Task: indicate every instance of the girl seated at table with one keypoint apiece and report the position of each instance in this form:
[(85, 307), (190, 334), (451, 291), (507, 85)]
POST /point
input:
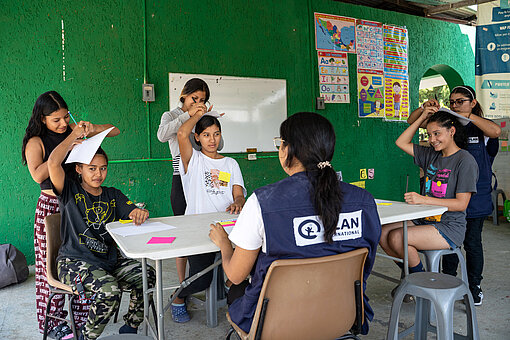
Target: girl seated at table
[(450, 180), (88, 258), (265, 229), (211, 183)]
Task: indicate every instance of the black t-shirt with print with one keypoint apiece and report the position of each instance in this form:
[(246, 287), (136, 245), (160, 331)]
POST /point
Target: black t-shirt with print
[(83, 223)]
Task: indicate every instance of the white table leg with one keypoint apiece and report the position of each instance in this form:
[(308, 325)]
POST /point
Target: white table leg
[(159, 300), (145, 297), (406, 258)]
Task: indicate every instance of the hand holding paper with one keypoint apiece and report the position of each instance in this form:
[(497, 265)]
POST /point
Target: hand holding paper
[(85, 151)]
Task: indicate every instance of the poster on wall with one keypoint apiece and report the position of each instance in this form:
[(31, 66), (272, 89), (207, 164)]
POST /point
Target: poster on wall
[(396, 77), (333, 77), (334, 33), (492, 59), (369, 46), (370, 94)]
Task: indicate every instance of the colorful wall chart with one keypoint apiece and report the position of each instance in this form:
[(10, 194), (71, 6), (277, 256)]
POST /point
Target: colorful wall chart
[(370, 94), (333, 77), (334, 33), (369, 45), (396, 77)]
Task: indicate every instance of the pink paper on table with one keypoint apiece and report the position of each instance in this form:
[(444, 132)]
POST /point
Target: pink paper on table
[(161, 240)]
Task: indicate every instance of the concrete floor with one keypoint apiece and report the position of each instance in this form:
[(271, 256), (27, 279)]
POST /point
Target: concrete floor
[(17, 306)]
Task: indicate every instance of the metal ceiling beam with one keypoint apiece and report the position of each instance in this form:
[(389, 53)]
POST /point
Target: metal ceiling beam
[(448, 7)]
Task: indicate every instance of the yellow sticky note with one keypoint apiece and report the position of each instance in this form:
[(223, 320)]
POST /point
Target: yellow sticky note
[(224, 176), (363, 174), (360, 184)]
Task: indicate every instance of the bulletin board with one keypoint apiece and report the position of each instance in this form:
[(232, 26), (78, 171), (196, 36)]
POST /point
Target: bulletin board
[(254, 108)]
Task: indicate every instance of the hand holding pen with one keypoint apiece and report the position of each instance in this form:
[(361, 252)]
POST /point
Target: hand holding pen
[(88, 127)]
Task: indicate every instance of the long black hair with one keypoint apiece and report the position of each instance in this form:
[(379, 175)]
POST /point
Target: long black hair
[(194, 85), (204, 122), (45, 105), (310, 139), (447, 120), (471, 94)]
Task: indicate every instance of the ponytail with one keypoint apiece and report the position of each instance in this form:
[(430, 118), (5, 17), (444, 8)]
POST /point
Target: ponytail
[(310, 139)]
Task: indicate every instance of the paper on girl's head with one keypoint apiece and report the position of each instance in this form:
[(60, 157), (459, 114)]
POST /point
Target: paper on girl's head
[(213, 113), (84, 152), (463, 120)]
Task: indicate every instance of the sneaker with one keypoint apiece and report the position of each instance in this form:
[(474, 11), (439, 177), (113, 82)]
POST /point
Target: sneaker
[(477, 295), (407, 298), (180, 314), (126, 329)]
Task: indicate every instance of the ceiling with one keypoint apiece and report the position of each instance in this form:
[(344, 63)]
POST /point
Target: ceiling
[(456, 11)]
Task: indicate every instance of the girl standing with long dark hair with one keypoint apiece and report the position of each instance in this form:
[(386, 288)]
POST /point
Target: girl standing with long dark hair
[(47, 128)]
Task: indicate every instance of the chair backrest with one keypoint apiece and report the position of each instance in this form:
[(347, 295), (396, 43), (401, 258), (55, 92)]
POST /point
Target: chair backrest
[(310, 298), (53, 242)]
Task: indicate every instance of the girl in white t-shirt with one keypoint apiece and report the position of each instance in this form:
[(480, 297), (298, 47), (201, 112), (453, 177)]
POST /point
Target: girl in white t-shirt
[(211, 183)]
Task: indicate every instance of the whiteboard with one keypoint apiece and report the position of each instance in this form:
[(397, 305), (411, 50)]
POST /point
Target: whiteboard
[(254, 108)]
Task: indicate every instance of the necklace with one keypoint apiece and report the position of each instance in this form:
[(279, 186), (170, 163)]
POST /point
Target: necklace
[(94, 209)]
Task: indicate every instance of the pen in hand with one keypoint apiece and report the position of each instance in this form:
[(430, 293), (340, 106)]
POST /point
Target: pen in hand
[(74, 120)]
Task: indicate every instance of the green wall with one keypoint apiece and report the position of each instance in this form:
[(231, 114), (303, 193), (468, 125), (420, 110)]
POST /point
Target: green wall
[(104, 64)]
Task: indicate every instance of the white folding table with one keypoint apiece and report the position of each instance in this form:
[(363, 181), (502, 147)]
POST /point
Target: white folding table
[(393, 211), (192, 238)]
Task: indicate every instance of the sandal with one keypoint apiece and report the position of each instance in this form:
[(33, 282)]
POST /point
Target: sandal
[(60, 332)]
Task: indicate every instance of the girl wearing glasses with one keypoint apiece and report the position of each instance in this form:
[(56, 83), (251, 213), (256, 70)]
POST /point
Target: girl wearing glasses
[(47, 128), (211, 183), (483, 146), (302, 216)]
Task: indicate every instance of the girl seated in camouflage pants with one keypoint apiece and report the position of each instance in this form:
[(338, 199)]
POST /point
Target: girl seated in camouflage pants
[(88, 259)]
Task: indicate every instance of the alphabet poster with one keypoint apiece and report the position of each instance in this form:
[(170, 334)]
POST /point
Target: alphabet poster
[(396, 77), (334, 33), (333, 77), (369, 44)]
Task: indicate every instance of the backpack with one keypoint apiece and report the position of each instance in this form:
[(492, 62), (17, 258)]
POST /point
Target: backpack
[(13, 265)]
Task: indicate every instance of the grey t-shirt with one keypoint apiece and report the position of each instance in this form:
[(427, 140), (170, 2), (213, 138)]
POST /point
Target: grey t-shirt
[(444, 178)]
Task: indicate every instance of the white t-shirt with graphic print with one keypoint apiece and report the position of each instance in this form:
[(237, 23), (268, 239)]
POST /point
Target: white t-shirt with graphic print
[(208, 183)]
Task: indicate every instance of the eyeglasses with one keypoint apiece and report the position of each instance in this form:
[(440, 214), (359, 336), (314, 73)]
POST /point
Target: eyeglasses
[(458, 102), (277, 141)]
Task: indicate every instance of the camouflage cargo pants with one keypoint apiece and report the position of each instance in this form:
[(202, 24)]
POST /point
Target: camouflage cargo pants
[(105, 289)]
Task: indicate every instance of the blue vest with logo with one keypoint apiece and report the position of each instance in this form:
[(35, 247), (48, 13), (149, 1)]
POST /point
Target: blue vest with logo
[(480, 204), (293, 230)]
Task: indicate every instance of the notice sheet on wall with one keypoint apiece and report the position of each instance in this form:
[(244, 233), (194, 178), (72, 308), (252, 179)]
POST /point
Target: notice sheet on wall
[(492, 59), (334, 33), (333, 77), (369, 46), (396, 77)]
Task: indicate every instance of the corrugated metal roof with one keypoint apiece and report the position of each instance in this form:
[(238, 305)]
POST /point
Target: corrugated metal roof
[(456, 11)]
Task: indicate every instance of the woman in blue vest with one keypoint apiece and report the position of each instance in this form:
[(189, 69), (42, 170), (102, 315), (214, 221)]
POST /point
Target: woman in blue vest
[(483, 146), (268, 227)]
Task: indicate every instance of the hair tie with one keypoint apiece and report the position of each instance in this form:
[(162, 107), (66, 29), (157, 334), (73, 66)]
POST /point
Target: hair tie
[(322, 165), (465, 88)]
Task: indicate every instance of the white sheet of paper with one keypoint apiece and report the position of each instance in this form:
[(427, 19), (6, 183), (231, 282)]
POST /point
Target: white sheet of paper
[(463, 120), (84, 152), (146, 227)]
